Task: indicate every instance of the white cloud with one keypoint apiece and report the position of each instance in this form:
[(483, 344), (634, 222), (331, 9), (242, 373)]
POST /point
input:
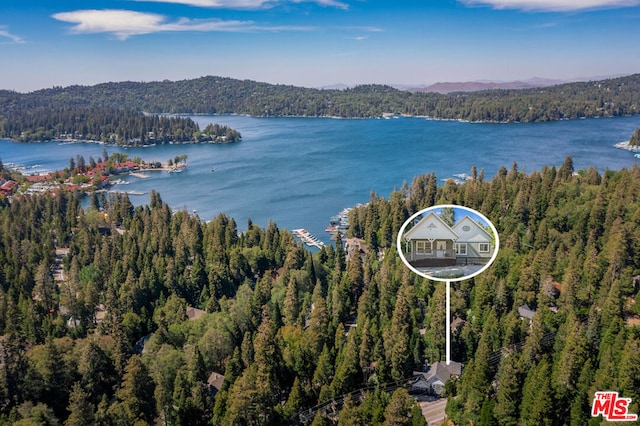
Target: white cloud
[(249, 4), (357, 38), (221, 4), (552, 5), (4, 32), (330, 3), (126, 23)]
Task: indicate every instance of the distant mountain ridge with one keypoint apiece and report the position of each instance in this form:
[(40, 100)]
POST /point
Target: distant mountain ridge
[(474, 86), (222, 95)]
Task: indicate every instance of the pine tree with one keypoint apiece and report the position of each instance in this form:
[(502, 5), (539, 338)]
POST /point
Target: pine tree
[(566, 369), (348, 374), (400, 409), (82, 411), (324, 370), (537, 396), (629, 371), (137, 392), (398, 338), (291, 307), (294, 401), (350, 414), (448, 215), (509, 391)]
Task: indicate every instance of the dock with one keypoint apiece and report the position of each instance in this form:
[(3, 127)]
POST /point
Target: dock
[(139, 175), (307, 238), (113, 191)]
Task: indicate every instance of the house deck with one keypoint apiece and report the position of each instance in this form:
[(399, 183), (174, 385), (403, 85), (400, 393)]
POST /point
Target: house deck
[(433, 262)]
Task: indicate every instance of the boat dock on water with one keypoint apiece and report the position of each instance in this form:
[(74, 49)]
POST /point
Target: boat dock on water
[(113, 191), (307, 238), (339, 223)]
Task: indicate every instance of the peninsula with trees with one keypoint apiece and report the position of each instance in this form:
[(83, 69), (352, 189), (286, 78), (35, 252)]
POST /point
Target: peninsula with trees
[(92, 177), (635, 138), (125, 127)]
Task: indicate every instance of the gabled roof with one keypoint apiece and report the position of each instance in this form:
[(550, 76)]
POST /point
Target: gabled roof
[(525, 312), (194, 313), (9, 185), (481, 236), (215, 380), (440, 371), (431, 227)]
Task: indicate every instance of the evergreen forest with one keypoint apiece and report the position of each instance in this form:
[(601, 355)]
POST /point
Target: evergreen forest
[(95, 327), (127, 127), (635, 138)]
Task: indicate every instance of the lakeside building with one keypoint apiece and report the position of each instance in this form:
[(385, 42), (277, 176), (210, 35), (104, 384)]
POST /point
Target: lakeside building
[(432, 242)]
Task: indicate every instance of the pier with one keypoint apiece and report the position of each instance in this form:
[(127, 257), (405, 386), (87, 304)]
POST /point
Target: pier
[(306, 237)]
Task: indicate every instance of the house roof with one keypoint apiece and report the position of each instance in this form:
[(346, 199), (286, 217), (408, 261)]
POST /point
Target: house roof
[(456, 323), (215, 380), (356, 244), (431, 227), (477, 234), (440, 371), (38, 178), (9, 185), (194, 313), (525, 312)]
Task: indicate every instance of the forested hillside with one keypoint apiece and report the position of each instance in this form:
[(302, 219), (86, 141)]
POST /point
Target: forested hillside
[(288, 329), (220, 95), (635, 138), (107, 124)]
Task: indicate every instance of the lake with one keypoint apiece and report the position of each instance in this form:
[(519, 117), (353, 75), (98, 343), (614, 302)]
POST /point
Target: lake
[(300, 171)]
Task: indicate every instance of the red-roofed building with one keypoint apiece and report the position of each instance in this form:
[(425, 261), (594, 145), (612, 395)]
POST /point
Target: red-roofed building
[(38, 178), (73, 187), (125, 166), (7, 188)]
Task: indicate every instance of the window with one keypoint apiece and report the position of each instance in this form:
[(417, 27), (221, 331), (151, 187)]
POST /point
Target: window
[(423, 247), (484, 248), (461, 249)]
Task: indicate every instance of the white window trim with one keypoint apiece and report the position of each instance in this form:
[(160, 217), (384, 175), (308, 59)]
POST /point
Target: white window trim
[(423, 248), (488, 246), (420, 247), (458, 247)]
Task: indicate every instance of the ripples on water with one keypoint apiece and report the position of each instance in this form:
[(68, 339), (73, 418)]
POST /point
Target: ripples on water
[(300, 171)]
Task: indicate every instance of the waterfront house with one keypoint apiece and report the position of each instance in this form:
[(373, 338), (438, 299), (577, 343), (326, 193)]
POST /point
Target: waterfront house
[(357, 246), (7, 188), (432, 242)]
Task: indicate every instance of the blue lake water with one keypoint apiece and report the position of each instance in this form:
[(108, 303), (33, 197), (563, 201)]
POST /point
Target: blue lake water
[(300, 171)]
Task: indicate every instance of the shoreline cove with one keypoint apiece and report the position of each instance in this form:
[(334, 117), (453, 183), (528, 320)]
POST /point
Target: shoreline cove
[(298, 172)]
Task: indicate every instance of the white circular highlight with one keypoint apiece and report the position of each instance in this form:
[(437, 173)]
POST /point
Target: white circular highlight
[(440, 251)]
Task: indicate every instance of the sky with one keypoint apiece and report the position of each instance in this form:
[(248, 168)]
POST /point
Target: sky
[(315, 43)]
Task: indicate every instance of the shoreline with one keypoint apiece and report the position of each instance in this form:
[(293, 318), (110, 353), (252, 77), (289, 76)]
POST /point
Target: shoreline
[(627, 147), (80, 141), (386, 116)]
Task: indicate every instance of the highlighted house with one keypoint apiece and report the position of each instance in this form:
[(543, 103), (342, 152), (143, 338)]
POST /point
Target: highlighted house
[(432, 242)]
